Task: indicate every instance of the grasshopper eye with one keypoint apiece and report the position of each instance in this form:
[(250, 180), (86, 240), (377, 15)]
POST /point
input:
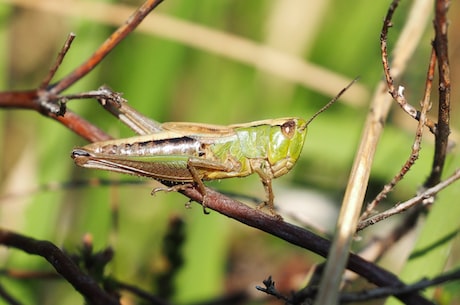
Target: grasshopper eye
[(288, 128)]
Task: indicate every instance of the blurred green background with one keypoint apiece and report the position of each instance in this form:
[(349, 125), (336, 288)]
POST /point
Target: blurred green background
[(186, 66)]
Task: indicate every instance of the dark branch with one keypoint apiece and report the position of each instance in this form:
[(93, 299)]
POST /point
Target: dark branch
[(300, 237), (63, 264)]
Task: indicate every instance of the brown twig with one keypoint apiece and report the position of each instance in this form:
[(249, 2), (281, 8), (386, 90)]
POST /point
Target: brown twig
[(426, 105), (428, 193), (58, 62), (396, 93), (107, 46), (30, 100)]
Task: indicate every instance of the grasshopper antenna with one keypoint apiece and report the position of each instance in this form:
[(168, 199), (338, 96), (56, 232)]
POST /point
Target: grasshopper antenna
[(329, 104)]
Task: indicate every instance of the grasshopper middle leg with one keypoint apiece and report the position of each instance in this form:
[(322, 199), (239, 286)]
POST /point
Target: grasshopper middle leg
[(195, 166)]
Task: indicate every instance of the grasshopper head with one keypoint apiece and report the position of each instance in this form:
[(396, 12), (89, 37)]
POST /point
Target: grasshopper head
[(286, 144)]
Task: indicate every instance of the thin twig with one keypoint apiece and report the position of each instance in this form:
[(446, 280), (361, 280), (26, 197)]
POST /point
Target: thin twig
[(58, 62), (271, 290), (396, 94), (426, 105), (428, 193), (81, 127), (107, 46)]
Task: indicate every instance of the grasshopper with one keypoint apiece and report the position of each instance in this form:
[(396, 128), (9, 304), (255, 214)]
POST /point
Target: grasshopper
[(186, 154)]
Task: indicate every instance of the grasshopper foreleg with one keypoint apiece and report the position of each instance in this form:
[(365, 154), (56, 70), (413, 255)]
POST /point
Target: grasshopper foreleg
[(267, 183)]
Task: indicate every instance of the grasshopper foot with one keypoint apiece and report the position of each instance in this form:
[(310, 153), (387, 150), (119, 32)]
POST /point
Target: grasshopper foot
[(188, 205), (203, 204), (174, 188), (206, 212), (181, 187), (271, 209)]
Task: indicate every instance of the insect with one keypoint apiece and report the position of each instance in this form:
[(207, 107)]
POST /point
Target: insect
[(187, 154)]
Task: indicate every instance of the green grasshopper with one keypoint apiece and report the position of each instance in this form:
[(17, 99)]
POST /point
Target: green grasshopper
[(186, 154)]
